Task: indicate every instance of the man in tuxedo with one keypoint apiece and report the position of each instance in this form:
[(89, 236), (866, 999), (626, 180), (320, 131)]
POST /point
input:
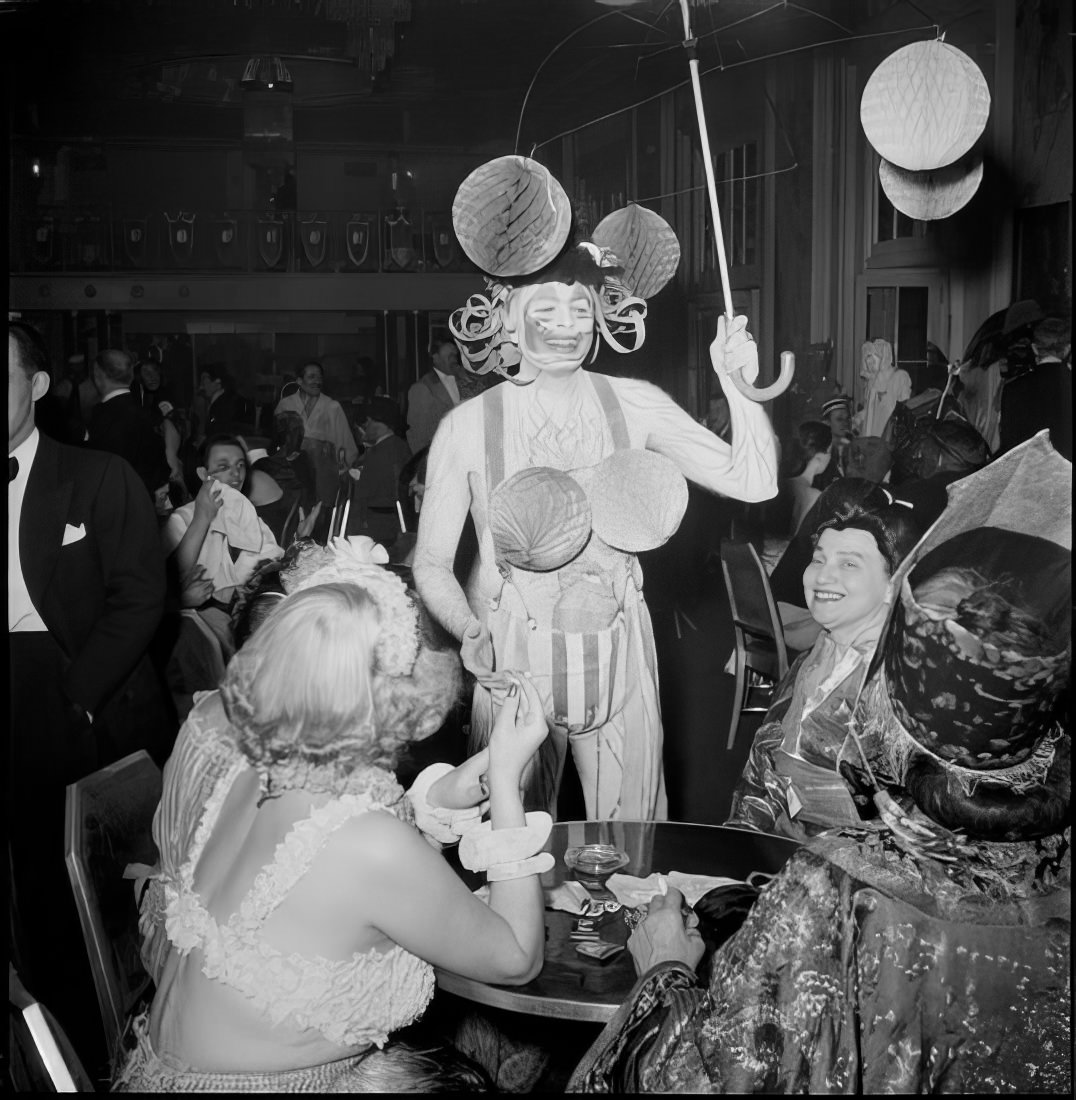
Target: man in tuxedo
[(228, 412), (86, 589), (119, 425), (434, 394)]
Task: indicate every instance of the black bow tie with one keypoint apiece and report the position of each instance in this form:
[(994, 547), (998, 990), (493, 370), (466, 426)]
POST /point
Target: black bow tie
[(12, 468)]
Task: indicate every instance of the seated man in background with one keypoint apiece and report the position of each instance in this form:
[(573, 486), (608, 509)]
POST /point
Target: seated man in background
[(220, 531), (791, 785)]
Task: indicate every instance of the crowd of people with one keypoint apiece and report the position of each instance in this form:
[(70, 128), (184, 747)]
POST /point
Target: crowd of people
[(258, 612)]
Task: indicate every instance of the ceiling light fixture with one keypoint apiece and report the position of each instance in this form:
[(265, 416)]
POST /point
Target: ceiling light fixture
[(262, 73)]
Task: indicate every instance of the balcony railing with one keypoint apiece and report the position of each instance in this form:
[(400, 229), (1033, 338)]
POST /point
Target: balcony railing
[(242, 241)]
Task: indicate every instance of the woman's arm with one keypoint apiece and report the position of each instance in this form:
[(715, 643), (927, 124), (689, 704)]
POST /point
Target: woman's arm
[(444, 510), (422, 905)]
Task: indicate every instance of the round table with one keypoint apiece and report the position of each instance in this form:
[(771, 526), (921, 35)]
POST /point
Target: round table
[(575, 988)]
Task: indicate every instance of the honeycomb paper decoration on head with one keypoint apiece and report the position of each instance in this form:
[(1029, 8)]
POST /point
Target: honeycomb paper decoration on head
[(930, 195), (925, 106), (644, 245), (511, 216)]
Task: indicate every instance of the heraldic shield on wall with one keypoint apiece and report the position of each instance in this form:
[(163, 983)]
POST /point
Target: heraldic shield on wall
[(400, 242), (181, 235), (226, 243), (42, 241), (134, 240), (358, 240), (270, 241), (314, 235)]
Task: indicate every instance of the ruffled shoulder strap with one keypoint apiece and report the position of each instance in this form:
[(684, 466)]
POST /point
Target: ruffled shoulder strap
[(294, 855)]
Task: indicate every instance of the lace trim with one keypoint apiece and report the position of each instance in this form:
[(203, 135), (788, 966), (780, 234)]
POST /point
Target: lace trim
[(360, 1000)]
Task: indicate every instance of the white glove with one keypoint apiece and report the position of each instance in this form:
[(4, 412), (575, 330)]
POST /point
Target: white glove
[(734, 349)]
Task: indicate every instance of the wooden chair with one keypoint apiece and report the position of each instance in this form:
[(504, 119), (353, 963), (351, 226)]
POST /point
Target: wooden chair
[(760, 656), (40, 1056), (109, 825)]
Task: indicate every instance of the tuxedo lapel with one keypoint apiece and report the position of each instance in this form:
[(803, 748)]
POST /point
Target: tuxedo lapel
[(45, 509)]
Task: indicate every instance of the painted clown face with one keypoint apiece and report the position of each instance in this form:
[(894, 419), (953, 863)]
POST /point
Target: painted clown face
[(554, 324)]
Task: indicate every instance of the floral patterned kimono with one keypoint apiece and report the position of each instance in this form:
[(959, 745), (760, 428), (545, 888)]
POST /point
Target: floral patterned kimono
[(862, 969)]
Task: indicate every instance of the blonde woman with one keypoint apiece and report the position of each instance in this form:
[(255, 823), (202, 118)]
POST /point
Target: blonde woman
[(297, 913)]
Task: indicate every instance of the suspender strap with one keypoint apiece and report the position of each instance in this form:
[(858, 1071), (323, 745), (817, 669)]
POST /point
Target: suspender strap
[(493, 428), (614, 414)]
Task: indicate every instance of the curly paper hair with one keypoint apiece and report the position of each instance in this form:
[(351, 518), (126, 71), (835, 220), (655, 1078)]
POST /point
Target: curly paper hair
[(479, 329)]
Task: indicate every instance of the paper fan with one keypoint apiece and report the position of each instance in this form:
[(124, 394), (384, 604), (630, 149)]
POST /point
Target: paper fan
[(931, 195), (637, 500), (925, 106), (511, 216), (644, 244)]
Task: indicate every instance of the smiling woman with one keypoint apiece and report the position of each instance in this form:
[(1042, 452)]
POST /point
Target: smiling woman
[(791, 784)]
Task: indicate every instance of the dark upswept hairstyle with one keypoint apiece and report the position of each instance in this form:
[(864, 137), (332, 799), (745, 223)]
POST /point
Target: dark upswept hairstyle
[(33, 352), (892, 527), (219, 440), (812, 437), (217, 371), (991, 811)]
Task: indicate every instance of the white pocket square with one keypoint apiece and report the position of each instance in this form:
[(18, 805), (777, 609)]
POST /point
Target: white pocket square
[(73, 534)]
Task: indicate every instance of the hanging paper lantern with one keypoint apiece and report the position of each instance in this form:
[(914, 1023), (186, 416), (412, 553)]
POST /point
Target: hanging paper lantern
[(511, 216), (644, 244), (928, 196), (638, 499), (925, 106), (539, 519)]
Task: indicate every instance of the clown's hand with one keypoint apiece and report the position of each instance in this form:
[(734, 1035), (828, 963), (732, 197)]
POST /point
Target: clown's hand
[(734, 349), (476, 653)]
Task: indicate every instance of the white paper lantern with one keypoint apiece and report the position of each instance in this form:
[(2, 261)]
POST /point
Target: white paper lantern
[(644, 243), (925, 106), (928, 196), (511, 216)]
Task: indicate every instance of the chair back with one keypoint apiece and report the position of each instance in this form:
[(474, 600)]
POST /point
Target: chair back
[(109, 825), (40, 1056), (751, 601), (291, 524)]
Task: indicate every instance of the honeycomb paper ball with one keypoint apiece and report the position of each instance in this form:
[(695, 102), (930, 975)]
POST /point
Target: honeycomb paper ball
[(511, 216), (638, 499), (925, 106), (539, 519), (928, 196), (645, 245)]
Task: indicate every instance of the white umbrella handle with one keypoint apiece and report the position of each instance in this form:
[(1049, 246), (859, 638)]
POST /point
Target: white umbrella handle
[(784, 380)]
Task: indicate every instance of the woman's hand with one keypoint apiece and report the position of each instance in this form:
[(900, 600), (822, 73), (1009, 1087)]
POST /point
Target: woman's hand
[(664, 936), (464, 786), (306, 523), (518, 732), (207, 502), (734, 350), (196, 588)]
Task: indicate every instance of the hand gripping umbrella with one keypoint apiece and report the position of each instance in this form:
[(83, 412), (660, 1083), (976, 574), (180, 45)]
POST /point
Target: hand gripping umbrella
[(766, 393)]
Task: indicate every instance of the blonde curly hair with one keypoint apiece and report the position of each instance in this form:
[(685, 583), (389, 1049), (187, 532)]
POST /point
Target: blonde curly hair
[(306, 687)]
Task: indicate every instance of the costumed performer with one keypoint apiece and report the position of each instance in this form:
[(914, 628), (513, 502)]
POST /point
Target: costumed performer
[(568, 474)]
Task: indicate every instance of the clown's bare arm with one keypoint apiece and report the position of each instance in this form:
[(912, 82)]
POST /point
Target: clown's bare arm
[(746, 469), (444, 511)]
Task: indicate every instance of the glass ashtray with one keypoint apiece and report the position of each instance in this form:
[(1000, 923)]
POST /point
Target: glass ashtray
[(594, 863)]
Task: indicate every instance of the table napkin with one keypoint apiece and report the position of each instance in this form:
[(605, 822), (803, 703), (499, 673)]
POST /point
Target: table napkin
[(632, 891), (572, 897)]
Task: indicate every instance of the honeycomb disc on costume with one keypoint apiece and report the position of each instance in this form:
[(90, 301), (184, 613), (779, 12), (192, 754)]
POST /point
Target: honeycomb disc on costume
[(511, 216), (925, 106), (637, 499), (539, 519), (645, 245), (928, 196)]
